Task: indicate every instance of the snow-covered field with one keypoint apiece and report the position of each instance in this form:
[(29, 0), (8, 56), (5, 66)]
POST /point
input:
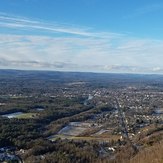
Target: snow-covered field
[(74, 128)]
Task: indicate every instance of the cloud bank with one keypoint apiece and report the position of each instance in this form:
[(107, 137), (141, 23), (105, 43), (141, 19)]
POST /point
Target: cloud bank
[(69, 48)]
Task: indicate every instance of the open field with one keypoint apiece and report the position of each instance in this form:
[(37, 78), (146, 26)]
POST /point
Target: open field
[(74, 130), (20, 115), (87, 138), (26, 116)]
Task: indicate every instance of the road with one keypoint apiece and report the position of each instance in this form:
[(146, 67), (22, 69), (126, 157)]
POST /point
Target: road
[(124, 130)]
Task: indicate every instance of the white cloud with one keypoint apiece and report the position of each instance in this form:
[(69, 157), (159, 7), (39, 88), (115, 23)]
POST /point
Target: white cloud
[(82, 54), (21, 23), (157, 69), (89, 50)]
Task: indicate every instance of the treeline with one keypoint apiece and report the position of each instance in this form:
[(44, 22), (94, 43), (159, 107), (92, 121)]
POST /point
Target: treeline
[(67, 151), (18, 132)]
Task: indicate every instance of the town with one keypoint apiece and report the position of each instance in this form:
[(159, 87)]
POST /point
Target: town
[(110, 111)]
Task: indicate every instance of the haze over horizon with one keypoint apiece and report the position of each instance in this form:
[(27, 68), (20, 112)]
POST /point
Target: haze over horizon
[(84, 35)]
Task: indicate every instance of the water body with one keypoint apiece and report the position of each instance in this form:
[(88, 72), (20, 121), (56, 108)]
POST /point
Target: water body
[(90, 97), (12, 115)]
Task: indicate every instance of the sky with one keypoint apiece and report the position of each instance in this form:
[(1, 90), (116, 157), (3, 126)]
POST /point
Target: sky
[(111, 36)]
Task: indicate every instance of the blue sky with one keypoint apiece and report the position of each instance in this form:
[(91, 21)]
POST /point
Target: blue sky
[(82, 35)]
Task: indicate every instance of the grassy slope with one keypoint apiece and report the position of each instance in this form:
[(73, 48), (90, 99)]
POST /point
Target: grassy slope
[(153, 154)]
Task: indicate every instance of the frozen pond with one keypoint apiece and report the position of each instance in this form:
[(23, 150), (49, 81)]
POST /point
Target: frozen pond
[(90, 97), (12, 115)]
